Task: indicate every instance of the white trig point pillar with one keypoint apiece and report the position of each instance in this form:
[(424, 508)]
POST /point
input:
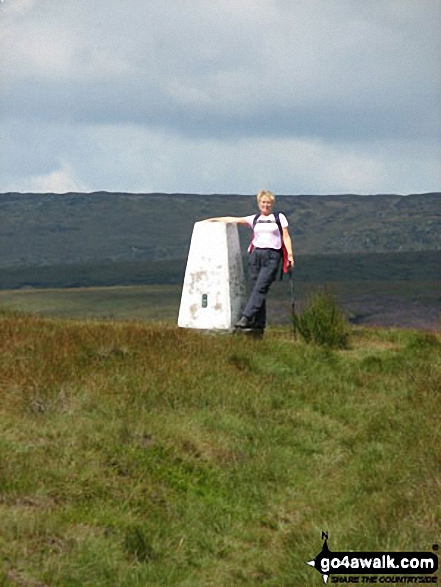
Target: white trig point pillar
[(213, 294)]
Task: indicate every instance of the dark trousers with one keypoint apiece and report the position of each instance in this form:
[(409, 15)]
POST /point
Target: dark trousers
[(264, 269)]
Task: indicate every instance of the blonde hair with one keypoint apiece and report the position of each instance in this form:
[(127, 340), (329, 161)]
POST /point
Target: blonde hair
[(266, 194)]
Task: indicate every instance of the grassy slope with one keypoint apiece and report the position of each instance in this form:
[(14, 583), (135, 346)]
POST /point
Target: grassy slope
[(140, 454)]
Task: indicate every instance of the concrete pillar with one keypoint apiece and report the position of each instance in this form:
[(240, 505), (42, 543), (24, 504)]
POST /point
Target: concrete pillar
[(214, 290)]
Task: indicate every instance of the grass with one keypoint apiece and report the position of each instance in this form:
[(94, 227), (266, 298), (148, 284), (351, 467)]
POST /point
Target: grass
[(149, 302), (161, 302), (322, 322), (142, 454)]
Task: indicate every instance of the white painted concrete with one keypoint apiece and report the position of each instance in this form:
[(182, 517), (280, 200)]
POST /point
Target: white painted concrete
[(214, 291)]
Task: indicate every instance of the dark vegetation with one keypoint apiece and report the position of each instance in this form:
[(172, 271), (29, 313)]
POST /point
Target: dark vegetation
[(322, 322), (411, 266), (51, 229)]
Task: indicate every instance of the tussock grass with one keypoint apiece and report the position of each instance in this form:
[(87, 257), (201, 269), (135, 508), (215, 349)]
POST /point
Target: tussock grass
[(142, 454), (322, 322)]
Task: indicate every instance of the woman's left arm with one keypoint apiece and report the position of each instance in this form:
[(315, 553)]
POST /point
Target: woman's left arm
[(288, 244)]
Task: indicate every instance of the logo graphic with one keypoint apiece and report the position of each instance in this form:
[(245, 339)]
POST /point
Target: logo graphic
[(369, 563)]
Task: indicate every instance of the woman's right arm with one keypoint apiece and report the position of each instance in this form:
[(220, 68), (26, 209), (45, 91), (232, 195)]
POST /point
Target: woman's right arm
[(234, 219)]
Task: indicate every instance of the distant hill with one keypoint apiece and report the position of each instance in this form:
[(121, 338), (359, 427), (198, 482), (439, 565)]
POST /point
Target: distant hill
[(54, 229)]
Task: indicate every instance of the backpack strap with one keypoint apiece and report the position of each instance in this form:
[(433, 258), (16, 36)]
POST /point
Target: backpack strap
[(277, 217), (284, 251), (251, 247)]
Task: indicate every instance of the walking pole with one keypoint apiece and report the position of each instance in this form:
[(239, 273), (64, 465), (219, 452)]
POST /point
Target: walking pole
[(293, 308)]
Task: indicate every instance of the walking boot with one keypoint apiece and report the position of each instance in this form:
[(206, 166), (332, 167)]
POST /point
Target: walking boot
[(244, 323)]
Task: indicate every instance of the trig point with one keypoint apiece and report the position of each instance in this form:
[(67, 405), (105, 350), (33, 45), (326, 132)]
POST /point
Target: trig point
[(213, 294)]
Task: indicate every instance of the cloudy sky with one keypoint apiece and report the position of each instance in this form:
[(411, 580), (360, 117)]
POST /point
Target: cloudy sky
[(224, 96)]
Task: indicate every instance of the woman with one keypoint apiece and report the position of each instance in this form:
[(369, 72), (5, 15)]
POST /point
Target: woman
[(269, 237)]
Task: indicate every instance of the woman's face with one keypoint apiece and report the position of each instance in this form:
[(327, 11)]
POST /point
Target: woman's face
[(265, 206)]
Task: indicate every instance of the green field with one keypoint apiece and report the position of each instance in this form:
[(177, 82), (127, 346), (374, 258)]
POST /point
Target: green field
[(148, 302), (140, 454), (161, 302)]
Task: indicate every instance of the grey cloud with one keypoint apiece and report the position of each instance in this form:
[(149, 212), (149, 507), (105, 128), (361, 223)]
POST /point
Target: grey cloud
[(412, 114), (209, 73), (345, 72)]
